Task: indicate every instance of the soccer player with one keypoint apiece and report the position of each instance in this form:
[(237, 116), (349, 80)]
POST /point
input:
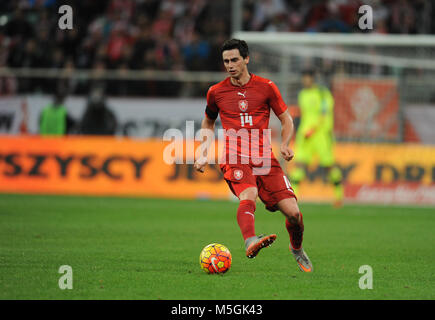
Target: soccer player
[(244, 100), (315, 137)]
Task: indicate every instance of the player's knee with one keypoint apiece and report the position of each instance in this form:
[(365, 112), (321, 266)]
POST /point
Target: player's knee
[(249, 194), (290, 209), (293, 216), (335, 175)]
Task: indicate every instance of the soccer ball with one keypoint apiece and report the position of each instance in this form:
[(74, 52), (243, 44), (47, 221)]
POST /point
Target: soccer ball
[(215, 258)]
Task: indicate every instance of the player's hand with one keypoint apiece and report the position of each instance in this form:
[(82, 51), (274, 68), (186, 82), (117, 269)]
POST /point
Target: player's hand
[(287, 153), (309, 133), (200, 164)]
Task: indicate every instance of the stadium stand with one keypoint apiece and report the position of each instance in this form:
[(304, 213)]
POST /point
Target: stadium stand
[(169, 34)]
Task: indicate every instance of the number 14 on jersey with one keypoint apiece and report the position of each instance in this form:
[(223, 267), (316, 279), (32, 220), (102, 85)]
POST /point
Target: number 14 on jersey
[(245, 118)]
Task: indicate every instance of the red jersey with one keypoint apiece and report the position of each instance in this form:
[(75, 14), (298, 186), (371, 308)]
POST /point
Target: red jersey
[(245, 114)]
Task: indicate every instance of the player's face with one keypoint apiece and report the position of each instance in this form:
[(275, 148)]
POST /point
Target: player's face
[(234, 63), (307, 80)]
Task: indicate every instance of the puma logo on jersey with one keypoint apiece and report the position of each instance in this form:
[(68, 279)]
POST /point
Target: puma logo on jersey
[(242, 94)]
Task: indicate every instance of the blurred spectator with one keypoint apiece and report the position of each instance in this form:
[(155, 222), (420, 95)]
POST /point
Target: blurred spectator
[(297, 13), (125, 8), (118, 40), (18, 26), (54, 119), (26, 55), (175, 7), (8, 83), (196, 53), (403, 17), (144, 44), (278, 23), (265, 11), (163, 25), (380, 15), (98, 119)]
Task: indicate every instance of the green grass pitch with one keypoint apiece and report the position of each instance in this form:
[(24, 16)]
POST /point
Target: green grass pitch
[(122, 248)]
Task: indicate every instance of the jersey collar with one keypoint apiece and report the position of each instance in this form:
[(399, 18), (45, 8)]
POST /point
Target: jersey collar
[(250, 80)]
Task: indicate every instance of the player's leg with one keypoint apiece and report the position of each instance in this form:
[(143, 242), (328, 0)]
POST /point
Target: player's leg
[(277, 193), (246, 221), (246, 212), (335, 177), (243, 185), (295, 227), (327, 160), (293, 222)]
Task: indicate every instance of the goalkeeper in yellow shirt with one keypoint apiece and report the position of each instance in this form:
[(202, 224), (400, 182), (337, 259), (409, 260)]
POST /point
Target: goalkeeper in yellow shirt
[(315, 136)]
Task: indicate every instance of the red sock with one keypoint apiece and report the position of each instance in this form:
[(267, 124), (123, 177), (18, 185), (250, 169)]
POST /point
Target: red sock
[(246, 218), (296, 232)]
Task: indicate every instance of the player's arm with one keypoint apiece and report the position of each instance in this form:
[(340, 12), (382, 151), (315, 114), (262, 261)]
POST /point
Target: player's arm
[(207, 129), (207, 126), (287, 130)]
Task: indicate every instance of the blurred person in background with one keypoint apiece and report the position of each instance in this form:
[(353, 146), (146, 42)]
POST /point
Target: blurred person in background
[(265, 12), (54, 119), (196, 53), (98, 119), (315, 135)]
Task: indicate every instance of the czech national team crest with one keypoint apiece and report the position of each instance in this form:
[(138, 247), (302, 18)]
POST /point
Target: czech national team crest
[(243, 105), (238, 174)]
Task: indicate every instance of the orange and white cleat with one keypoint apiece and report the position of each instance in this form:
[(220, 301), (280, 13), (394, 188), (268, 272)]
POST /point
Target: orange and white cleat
[(253, 245), (302, 259)]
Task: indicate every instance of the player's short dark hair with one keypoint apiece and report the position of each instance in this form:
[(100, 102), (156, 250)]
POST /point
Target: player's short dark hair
[(236, 44), (309, 71)]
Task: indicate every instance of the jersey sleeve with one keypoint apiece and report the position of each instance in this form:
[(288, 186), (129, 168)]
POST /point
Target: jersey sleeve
[(211, 110), (275, 99)]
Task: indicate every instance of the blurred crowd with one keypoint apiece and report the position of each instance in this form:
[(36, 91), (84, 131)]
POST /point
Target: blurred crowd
[(168, 34), (114, 35), (389, 16)]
